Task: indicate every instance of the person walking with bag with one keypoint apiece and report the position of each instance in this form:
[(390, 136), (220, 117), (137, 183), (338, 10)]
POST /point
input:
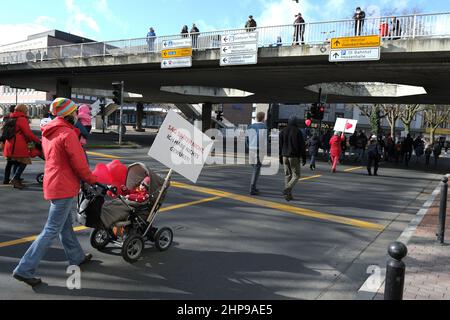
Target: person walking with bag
[(16, 149), (65, 168)]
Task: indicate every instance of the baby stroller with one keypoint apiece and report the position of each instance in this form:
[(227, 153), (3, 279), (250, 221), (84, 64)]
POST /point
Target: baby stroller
[(126, 224)]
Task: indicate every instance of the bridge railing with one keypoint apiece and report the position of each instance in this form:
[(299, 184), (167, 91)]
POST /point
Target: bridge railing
[(313, 34)]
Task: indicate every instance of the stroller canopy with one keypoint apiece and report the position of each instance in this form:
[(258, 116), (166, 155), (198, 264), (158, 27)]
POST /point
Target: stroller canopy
[(136, 174)]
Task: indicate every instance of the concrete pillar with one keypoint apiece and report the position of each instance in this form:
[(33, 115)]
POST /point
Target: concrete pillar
[(206, 116), (63, 89)]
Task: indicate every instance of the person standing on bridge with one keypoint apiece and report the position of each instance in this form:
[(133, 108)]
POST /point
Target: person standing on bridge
[(65, 168), (359, 18), (151, 37), (336, 149), (251, 24), (185, 32), (257, 145), (292, 148), (299, 30), (194, 35)]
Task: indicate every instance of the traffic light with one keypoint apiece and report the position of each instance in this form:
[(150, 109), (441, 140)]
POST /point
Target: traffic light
[(118, 93), (321, 112)]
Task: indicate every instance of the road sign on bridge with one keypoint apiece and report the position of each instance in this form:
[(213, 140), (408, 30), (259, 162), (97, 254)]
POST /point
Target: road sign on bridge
[(239, 49), (364, 54), (173, 44), (176, 53), (356, 42)]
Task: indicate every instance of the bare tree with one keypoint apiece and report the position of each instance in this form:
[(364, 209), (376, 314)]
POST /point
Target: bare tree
[(435, 117), (408, 113), (392, 113)]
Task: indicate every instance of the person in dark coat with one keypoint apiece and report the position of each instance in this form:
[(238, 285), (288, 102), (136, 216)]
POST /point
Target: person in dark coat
[(359, 18), (292, 149), (251, 24), (185, 32), (313, 149), (374, 156), (407, 148), (194, 35), (299, 29)]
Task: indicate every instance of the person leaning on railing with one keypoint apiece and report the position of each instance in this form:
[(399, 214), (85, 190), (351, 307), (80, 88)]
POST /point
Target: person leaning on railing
[(359, 18), (194, 35), (251, 24)]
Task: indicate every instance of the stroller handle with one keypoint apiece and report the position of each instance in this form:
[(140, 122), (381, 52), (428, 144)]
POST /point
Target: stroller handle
[(107, 188)]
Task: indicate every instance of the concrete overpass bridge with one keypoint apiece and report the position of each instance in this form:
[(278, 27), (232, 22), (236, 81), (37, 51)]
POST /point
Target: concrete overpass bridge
[(419, 56)]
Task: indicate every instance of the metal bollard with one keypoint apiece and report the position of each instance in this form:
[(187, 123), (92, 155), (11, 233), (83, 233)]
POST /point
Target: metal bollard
[(395, 272), (443, 211)]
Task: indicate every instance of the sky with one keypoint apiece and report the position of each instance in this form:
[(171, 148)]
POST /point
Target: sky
[(104, 20)]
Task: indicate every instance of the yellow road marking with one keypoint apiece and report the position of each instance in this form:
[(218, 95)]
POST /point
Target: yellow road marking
[(310, 178), (189, 204), (282, 207), (103, 155), (82, 228), (353, 169)]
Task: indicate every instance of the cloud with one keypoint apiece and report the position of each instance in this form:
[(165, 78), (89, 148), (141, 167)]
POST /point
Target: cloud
[(78, 20)]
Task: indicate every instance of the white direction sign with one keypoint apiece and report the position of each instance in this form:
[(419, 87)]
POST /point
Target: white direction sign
[(173, 44), (239, 38), (362, 54), (181, 147), (239, 60), (238, 48), (176, 63)]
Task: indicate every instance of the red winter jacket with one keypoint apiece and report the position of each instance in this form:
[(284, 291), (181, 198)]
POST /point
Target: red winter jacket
[(18, 146), (336, 145), (65, 161)]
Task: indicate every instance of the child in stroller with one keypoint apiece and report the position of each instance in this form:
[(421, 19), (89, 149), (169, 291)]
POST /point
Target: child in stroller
[(126, 221)]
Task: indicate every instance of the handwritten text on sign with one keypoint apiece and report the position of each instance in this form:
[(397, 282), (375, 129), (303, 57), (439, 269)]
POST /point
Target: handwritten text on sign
[(181, 147)]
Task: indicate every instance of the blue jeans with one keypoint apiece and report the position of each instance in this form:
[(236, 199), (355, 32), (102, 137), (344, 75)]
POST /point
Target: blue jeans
[(59, 223)]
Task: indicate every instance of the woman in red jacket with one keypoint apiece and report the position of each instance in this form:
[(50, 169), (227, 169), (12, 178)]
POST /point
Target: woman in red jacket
[(336, 149), (65, 167), (16, 149)]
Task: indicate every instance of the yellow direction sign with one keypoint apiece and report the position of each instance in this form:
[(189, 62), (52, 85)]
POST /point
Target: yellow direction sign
[(356, 42), (176, 53)]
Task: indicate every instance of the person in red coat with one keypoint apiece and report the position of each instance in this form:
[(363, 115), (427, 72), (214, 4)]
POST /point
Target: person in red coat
[(16, 149), (336, 149), (65, 167)]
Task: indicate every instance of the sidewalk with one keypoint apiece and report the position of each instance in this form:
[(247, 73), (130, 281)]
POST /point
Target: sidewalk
[(427, 263)]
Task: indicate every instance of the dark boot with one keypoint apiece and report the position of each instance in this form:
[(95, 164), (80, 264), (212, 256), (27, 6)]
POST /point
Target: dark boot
[(17, 184)]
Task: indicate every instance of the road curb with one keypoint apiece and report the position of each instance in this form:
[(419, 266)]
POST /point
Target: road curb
[(368, 291)]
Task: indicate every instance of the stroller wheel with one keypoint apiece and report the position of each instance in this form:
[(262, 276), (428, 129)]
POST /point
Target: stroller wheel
[(40, 179), (99, 239), (163, 239), (132, 248)]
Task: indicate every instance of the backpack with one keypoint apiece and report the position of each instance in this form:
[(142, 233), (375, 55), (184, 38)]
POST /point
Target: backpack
[(8, 130)]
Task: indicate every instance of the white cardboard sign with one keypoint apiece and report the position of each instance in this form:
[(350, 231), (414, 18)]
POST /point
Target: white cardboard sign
[(346, 125), (181, 147)]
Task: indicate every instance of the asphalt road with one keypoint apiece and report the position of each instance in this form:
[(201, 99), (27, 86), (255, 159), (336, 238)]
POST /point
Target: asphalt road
[(231, 245)]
